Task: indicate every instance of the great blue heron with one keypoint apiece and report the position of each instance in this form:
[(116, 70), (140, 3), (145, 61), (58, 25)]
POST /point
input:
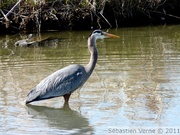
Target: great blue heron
[(66, 80)]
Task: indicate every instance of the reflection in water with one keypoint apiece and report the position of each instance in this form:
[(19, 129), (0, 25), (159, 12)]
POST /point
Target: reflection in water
[(61, 118), (135, 82)]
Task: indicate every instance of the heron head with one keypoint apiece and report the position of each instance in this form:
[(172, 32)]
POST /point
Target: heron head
[(99, 34)]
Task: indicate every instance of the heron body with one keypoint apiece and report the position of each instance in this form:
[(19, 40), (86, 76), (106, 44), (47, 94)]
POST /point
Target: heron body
[(60, 83), (66, 80)]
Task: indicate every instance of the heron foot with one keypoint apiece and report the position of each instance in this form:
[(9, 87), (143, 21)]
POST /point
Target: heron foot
[(66, 97)]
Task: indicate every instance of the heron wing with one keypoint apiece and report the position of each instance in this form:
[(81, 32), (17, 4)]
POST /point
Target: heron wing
[(59, 83)]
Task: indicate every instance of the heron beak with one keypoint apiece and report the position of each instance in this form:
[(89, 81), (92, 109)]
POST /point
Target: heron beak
[(108, 35)]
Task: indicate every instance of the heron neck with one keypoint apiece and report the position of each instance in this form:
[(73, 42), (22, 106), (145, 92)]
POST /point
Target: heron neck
[(93, 57)]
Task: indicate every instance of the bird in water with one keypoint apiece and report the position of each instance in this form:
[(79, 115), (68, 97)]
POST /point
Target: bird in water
[(31, 40), (66, 80), (25, 42)]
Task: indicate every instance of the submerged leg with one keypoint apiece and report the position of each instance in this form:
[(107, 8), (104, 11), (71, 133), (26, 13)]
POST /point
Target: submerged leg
[(66, 97)]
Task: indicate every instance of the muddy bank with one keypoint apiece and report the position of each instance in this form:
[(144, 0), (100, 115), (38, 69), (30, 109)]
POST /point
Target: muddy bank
[(39, 15)]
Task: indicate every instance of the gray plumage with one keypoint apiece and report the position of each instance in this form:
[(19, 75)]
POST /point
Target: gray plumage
[(66, 80), (61, 82)]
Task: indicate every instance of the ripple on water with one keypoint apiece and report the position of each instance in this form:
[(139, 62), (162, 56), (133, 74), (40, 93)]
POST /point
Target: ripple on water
[(135, 83)]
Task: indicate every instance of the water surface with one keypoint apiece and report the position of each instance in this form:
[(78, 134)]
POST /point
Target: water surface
[(135, 82)]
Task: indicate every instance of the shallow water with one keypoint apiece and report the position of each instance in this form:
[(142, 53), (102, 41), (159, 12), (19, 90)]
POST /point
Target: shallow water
[(135, 82)]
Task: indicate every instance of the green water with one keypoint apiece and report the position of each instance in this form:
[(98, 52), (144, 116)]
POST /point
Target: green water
[(135, 82)]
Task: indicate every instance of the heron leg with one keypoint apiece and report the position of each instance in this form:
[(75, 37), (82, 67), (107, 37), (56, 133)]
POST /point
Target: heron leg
[(66, 97)]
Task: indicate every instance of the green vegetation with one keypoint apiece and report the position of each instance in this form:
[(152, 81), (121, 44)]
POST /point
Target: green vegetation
[(7, 3), (84, 14)]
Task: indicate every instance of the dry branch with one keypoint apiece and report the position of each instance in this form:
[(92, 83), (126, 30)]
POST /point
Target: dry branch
[(13, 8)]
